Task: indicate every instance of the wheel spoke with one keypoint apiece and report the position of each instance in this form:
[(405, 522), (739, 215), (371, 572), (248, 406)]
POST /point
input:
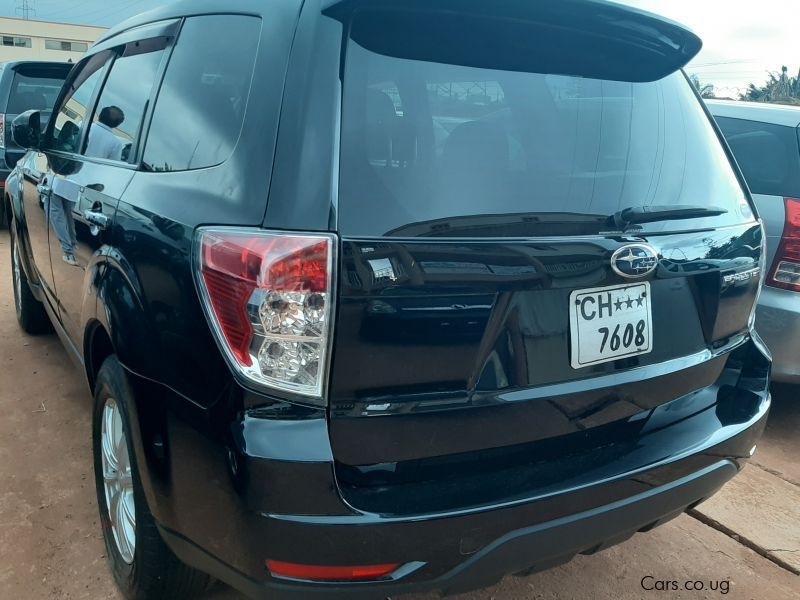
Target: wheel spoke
[(122, 536), (128, 509), (107, 438), (118, 480)]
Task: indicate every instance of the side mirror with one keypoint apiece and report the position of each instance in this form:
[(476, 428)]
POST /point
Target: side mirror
[(26, 129)]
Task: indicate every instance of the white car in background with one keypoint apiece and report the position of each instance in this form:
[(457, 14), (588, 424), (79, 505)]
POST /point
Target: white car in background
[(765, 139)]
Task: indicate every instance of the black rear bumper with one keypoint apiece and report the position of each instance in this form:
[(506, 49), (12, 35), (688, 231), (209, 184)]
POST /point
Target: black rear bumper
[(528, 549), (456, 552)]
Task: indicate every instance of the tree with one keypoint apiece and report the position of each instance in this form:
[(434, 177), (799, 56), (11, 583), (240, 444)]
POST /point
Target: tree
[(706, 90), (779, 88)]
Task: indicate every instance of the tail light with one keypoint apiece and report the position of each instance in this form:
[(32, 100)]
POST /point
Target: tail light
[(785, 271), (2, 130), (268, 297)]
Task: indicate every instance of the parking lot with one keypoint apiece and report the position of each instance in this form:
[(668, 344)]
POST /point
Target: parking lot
[(744, 543)]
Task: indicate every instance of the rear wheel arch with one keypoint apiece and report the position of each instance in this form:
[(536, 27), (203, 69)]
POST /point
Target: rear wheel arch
[(97, 348)]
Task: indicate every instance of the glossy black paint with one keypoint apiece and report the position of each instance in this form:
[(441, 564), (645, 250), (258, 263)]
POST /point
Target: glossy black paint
[(478, 330), (426, 455)]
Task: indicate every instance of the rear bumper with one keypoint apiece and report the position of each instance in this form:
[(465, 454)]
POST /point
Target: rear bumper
[(778, 323), (525, 549), (294, 512)]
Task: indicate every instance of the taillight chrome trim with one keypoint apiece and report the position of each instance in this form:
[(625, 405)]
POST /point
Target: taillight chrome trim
[(317, 397)]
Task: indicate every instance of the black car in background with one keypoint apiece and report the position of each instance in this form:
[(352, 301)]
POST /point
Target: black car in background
[(24, 85), (385, 297)]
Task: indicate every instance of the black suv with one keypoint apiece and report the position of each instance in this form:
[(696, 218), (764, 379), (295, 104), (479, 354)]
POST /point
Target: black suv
[(381, 297), (24, 85)]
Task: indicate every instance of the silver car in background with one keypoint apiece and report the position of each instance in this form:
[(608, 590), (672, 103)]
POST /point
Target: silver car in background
[(765, 139)]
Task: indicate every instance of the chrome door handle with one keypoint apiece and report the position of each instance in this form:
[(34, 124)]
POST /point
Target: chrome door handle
[(96, 219)]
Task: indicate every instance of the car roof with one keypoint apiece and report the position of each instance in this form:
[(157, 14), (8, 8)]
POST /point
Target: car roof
[(763, 112)]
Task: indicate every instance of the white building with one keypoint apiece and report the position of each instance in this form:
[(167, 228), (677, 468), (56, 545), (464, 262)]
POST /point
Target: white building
[(24, 39)]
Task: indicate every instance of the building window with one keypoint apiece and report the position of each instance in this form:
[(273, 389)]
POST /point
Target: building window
[(19, 42), (66, 46)]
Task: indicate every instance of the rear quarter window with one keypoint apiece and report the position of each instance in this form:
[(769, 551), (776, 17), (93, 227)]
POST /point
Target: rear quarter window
[(199, 112), (435, 148), (769, 155)]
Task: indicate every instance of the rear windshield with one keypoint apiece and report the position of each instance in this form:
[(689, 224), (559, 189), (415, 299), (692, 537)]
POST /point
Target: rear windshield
[(429, 148), (32, 91)]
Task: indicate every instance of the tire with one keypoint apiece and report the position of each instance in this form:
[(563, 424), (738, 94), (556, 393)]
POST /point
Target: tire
[(145, 569), (31, 314)]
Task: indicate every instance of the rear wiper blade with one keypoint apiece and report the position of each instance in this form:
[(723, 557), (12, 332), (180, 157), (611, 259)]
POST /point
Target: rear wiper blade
[(651, 214)]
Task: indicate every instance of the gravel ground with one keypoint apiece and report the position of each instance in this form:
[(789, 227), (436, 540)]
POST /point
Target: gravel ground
[(745, 542)]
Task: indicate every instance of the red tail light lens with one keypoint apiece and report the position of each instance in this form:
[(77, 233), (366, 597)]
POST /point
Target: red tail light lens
[(268, 298), (785, 271), (317, 573), (2, 130)]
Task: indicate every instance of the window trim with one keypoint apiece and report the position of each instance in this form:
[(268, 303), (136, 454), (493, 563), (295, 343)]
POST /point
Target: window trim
[(147, 117), (115, 53), (48, 133), (119, 52)]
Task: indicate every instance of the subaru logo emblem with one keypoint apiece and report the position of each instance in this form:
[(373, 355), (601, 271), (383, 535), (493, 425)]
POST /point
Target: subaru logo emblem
[(634, 260)]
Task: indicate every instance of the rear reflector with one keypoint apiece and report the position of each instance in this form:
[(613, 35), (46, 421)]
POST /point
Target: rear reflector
[(317, 573), (268, 298), (785, 271)]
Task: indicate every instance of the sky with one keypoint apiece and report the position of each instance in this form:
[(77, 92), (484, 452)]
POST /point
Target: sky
[(742, 41)]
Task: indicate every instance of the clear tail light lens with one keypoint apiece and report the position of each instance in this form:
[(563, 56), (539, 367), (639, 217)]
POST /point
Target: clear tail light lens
[(268, 297), (785, 271)]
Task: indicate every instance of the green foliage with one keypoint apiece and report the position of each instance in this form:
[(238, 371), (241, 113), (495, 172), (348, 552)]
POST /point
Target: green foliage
[(706, 90), (780, 88)]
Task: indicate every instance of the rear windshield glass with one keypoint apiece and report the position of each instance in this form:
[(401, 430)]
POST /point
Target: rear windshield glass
[(34, 92), (439, 149)]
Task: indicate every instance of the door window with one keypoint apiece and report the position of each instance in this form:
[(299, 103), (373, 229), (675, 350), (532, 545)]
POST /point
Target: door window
[(75, 107), (123, 101)]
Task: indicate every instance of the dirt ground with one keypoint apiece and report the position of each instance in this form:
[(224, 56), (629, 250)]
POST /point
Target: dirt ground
[(742, 544)]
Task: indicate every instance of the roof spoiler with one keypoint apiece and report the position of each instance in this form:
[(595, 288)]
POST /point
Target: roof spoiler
[(586, 38)]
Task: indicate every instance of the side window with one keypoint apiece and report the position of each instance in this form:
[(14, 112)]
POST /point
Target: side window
[(200, 108), (65, 134), (768, 155), (123, 101)]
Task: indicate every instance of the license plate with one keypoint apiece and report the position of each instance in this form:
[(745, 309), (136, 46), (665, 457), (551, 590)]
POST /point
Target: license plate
[(608, 323)]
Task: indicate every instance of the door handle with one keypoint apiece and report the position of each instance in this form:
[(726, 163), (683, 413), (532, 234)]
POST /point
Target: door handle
[(44, 189), (96, 219)]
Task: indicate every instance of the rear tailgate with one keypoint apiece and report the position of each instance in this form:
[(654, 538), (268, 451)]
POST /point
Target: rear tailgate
[(445, 348), (487, 297)]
